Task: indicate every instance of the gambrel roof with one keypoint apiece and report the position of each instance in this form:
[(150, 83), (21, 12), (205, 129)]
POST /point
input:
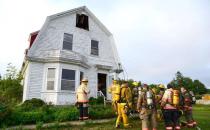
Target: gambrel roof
[(85, 9), (72, 11), (82, 9)]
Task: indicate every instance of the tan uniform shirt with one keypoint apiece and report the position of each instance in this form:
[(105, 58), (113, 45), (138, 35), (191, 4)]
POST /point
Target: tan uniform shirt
[(82, 94)]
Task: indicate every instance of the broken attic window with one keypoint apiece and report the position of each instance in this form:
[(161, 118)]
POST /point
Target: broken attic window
[(82, 21)]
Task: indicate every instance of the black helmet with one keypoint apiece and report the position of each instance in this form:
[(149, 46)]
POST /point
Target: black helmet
[(169, 86)]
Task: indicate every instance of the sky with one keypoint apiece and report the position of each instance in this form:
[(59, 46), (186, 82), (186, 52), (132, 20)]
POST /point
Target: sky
[(154, 38)]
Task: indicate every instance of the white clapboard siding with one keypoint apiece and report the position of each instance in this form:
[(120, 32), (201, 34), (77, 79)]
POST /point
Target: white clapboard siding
[(35, 80)]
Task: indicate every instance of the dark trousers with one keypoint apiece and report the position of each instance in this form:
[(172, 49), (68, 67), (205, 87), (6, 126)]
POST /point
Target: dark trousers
[(83, 111), (171, 118)]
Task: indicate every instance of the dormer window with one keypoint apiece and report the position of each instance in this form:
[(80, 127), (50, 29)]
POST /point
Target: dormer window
[(82, 21)]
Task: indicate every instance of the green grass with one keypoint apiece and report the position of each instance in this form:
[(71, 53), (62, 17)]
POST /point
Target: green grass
[(201, 115)]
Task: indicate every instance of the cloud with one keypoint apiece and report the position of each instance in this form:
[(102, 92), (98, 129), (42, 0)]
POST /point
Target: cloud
[(18, 20), (159, 39), (154, 38)]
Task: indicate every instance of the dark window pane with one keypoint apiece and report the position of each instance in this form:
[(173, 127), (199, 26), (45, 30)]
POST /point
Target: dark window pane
[(68, 74), (94, 44), (94, 47), (82, 21), (94, 52), (68, 37), (67, 41), (67, 85), (81, 76), (67, 45)]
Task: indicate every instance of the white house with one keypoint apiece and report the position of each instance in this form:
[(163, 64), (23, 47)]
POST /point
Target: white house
[(69, 46)]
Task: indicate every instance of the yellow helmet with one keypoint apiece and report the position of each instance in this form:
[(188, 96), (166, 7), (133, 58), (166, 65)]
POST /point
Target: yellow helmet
[(115, 81), (161, 86), (84, 80), (135, 84)]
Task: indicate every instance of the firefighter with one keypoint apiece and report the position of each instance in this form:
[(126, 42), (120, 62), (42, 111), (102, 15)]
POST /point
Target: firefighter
[(188, 100), (114, 89), (135, 95), (160, 93), (170, 106), (123, 105), (159, 96), (82, 99), (139, 90), (147, 108)]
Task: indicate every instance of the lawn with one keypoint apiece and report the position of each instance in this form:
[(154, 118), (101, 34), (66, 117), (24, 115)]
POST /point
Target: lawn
[(201, 115)]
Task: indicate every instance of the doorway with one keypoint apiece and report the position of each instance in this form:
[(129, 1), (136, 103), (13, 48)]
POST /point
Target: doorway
[(102, 83)]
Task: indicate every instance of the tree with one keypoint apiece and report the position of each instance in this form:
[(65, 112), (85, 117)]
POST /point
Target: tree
[(196, 86), (199, 87), (11, 72), (11, 90)]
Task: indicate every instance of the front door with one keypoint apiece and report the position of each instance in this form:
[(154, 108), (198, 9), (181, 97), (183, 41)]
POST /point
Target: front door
[(102, 83)]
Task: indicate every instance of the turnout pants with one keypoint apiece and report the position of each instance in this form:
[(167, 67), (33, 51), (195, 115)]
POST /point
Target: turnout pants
[(122, 110), (189, 118), (83, 111), (148, 116), (114, 106), (171, 118)]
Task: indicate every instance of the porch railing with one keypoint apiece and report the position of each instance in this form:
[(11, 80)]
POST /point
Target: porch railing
[(100, 94)]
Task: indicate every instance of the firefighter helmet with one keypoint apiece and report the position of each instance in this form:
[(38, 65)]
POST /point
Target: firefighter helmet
[(115, 81), (135, 84), (84, 80), (161, 86)]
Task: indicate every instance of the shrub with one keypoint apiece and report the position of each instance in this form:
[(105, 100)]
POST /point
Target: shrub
[(92, 101), (48, 113), (32, 104), (26, 117), (99, 112), (100, 100), (5, 111), (66, 114), (95, 101), (198, 97)]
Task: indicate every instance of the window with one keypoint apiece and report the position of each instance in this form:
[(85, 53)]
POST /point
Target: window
[(94, 47), (67, 41), (82, 21), (68, 80), (81, 76), (50, 78)]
